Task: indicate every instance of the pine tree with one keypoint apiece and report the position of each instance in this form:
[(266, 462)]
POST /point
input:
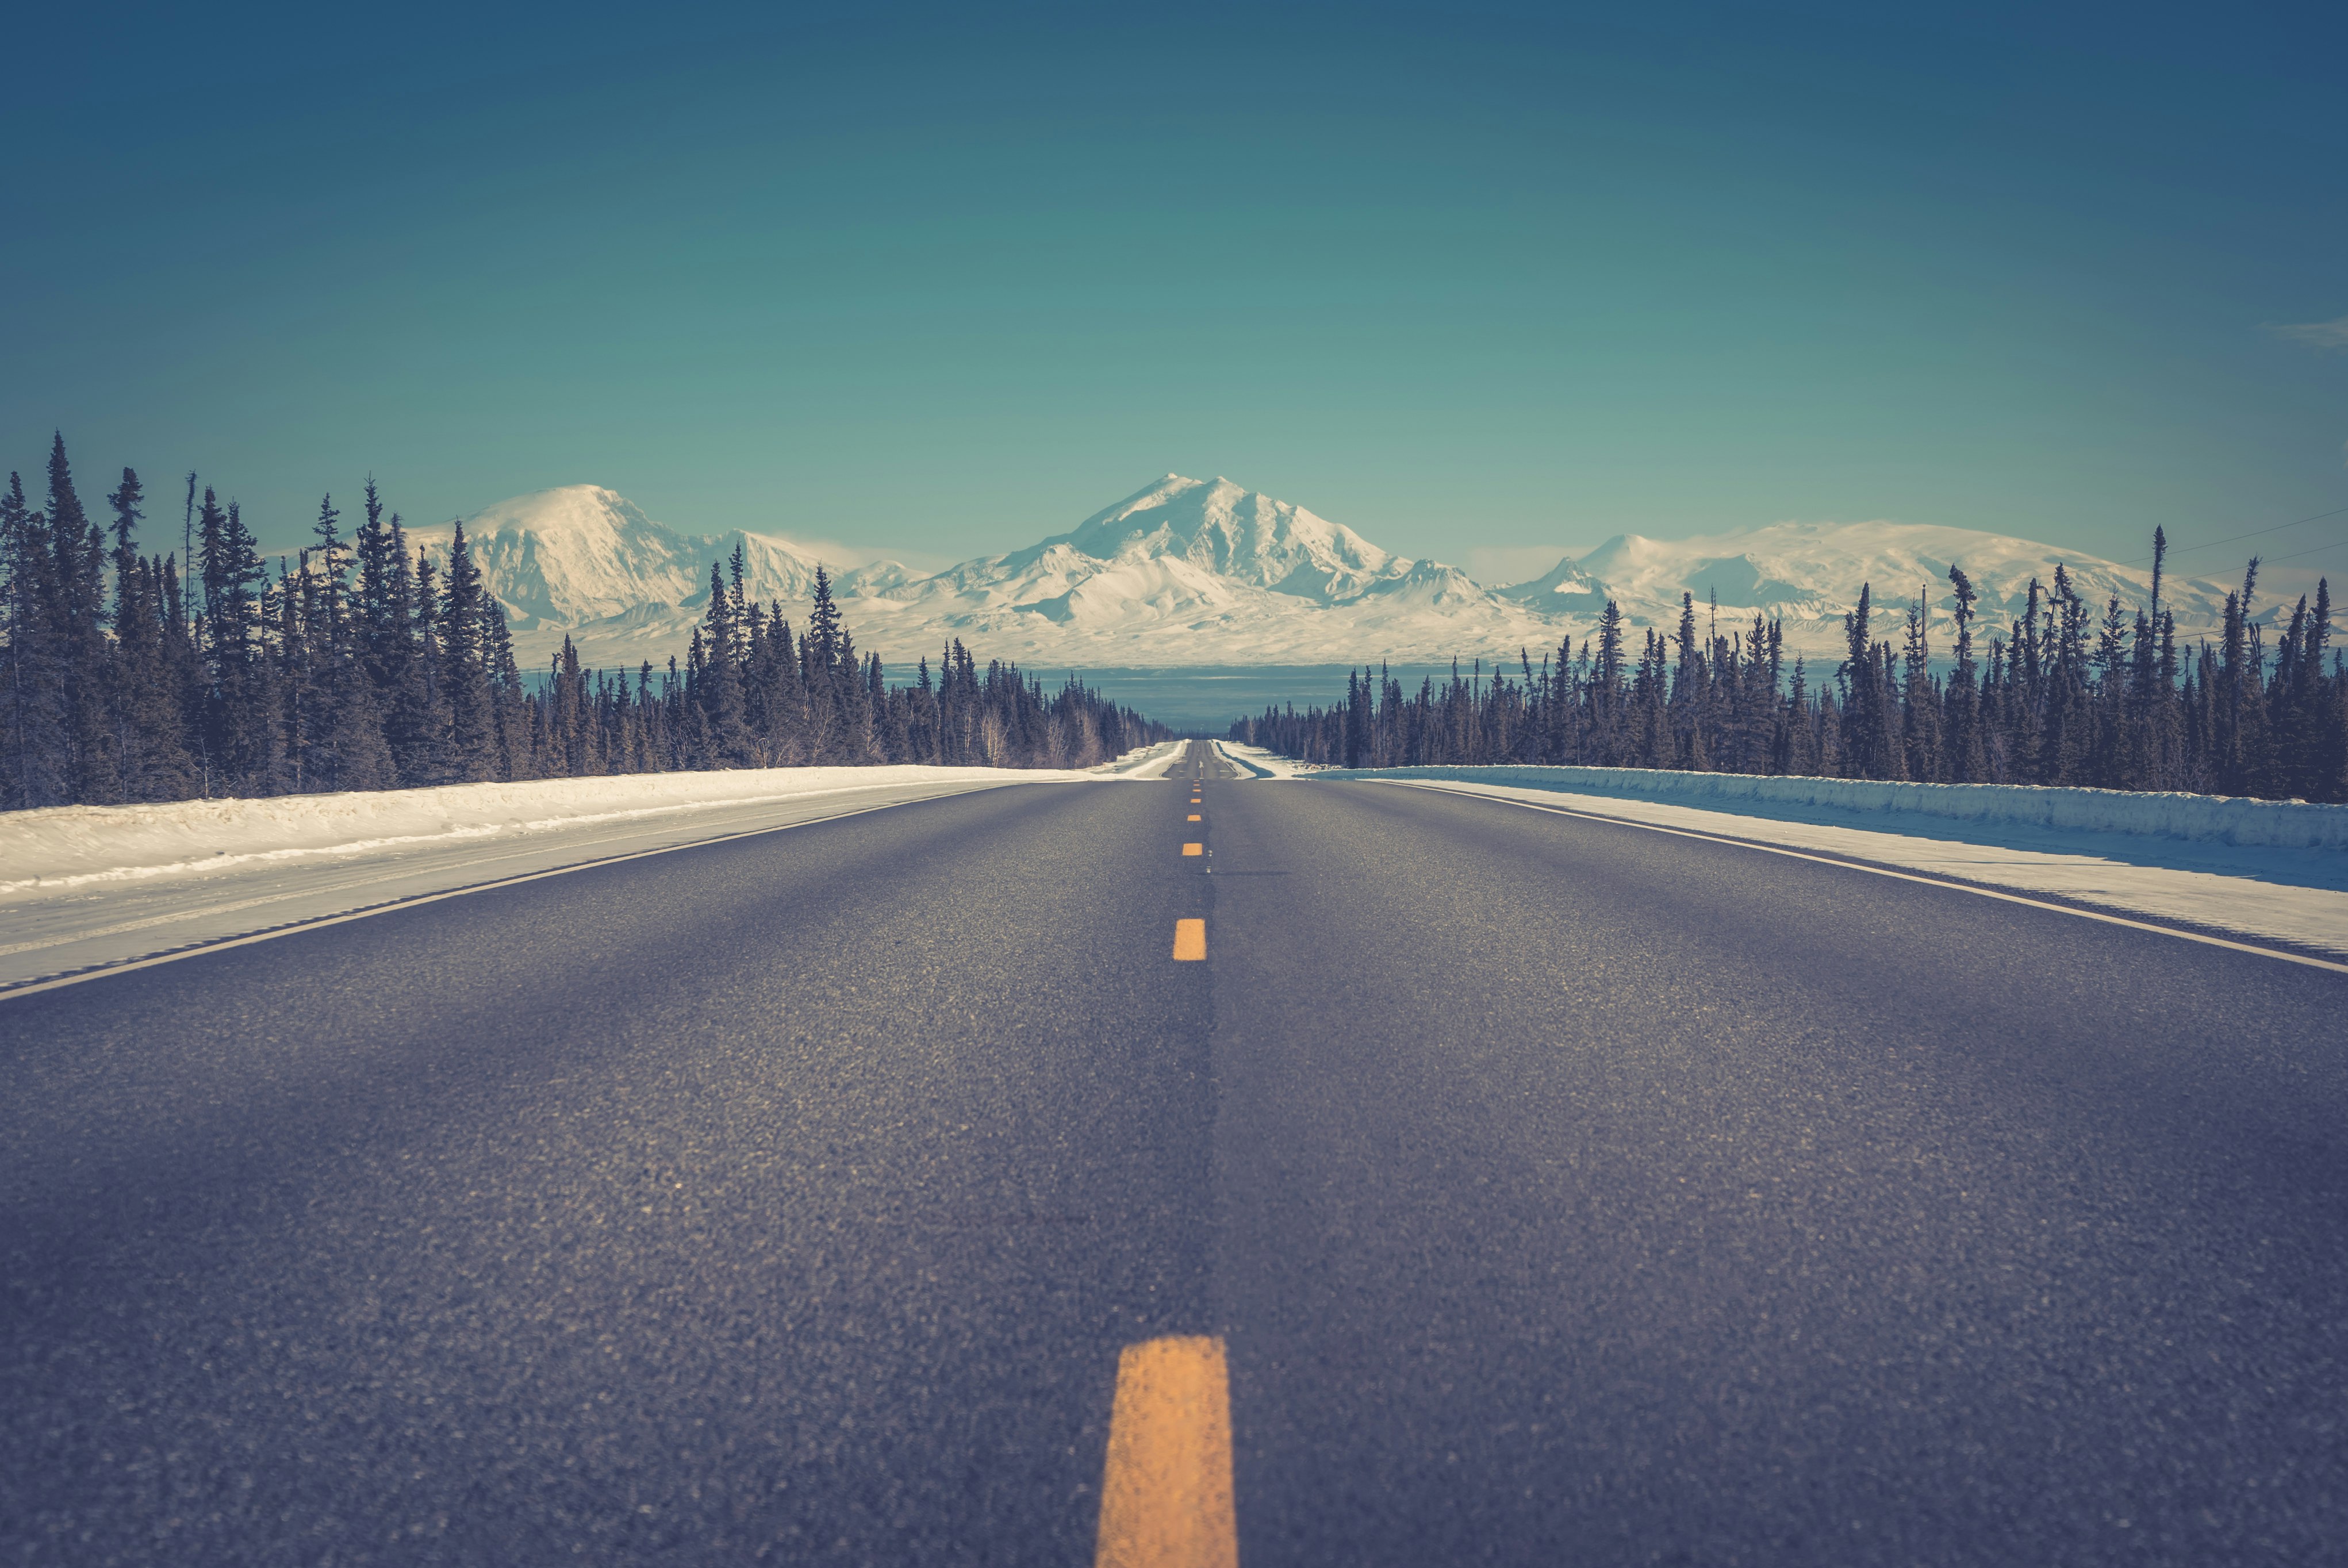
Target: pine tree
[(718, 680), (1921, 736), (472, 736), (1968, 761), (38, 746), (516, 756), (823, 624), (1865, 727), (2234, 741), (242, 742), (149, 722), (78, 633), (350, 752), (430, 699)]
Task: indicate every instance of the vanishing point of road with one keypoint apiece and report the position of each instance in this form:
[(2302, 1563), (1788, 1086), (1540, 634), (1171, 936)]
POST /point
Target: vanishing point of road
[(1409, 1179)]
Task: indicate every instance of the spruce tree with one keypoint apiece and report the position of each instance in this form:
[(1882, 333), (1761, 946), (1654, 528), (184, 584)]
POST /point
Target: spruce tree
[(1865, 734), (472, 736), (78, 633), (718, 684), (149, 721), (38, 746), (1968, 762), (516, 758), (241, 729), (1920, 700)]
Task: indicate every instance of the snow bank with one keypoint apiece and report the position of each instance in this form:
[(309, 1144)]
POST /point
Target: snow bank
[(2205, 818), (1148, 762), (1257, 763), (62, 847)]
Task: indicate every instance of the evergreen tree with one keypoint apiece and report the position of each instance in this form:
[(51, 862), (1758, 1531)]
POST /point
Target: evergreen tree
[(147, 720), (78, 633), (517, 758), (1967, 760), (38, 743), (1921, 739), (240, 728), (718, 683), (472, 736), (1867, 732)]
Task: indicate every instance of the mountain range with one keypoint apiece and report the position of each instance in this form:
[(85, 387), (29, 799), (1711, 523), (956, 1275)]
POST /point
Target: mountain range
[(1188, 572)]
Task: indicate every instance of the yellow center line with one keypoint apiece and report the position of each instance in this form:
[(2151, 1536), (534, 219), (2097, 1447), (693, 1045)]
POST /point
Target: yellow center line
[(1189, 940), (1194, 849), (1166, 1489), (1194, 816)]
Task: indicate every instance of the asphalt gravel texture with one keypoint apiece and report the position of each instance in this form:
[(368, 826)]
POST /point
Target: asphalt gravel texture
[(1565, 1193)]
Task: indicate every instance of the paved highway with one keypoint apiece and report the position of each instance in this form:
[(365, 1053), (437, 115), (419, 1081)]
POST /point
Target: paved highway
[(1498, 1186)]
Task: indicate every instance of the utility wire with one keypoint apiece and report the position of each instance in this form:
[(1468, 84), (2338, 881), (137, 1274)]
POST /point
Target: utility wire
[(2254, 533), (2313, 550)]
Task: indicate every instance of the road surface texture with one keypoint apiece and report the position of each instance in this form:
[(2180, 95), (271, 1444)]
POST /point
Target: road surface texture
[(1562, 1192)]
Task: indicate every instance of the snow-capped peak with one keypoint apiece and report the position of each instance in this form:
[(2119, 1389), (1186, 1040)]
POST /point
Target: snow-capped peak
[(1223, 528), (1810, 573), (578, 554), (1207, 572)]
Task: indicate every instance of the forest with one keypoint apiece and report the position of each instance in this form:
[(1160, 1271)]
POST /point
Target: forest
[(2068, 695), (359, 665)]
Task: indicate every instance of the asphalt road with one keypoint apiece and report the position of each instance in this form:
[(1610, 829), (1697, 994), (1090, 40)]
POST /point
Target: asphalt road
[(1563, 1191)]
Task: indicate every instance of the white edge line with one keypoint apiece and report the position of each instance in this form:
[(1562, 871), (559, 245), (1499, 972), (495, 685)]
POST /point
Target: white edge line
[(2289, 957), (296, 928)]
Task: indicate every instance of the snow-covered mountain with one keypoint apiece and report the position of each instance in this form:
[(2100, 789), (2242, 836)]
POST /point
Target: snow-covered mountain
[(1810, 574), (1188, 571), (1198, 572), (584, 561)]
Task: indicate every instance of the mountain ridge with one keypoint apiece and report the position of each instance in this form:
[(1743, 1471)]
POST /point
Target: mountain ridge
[(1206, 572)]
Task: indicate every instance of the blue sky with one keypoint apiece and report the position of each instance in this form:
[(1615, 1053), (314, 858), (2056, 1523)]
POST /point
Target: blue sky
[(1471, 280)]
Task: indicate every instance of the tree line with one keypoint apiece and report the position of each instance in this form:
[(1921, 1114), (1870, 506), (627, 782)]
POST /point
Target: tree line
[(2067, 695), (359, 665)]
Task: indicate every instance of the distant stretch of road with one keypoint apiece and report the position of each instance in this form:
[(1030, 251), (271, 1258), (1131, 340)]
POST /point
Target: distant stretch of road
[(1499, 1187)]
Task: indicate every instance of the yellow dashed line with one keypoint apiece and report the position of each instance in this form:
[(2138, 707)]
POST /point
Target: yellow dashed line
[(1194, 816), (1189, 940), (1165, 1490), (1194, 849)]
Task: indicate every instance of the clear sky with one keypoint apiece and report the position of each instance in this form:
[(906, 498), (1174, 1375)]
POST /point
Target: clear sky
[(1473, 279)]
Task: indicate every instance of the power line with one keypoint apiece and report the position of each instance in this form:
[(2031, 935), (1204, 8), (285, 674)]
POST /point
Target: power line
[(2254, 533), (2316, 550)]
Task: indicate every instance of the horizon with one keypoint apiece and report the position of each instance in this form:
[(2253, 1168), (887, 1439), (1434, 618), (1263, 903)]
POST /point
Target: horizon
[(1552, 558), (1194, 559)]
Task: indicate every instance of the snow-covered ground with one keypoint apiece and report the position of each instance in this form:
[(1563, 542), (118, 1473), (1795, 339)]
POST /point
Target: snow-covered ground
[(88, 885), (1148, 762), (1259, 762), (2192, 874), (2169, 816)]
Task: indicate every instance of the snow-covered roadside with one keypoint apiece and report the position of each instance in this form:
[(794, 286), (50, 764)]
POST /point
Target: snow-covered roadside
[(2292, 825), (2245, 903), (1148, 762), (63, 848), (88, 885), (1257, 763)]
